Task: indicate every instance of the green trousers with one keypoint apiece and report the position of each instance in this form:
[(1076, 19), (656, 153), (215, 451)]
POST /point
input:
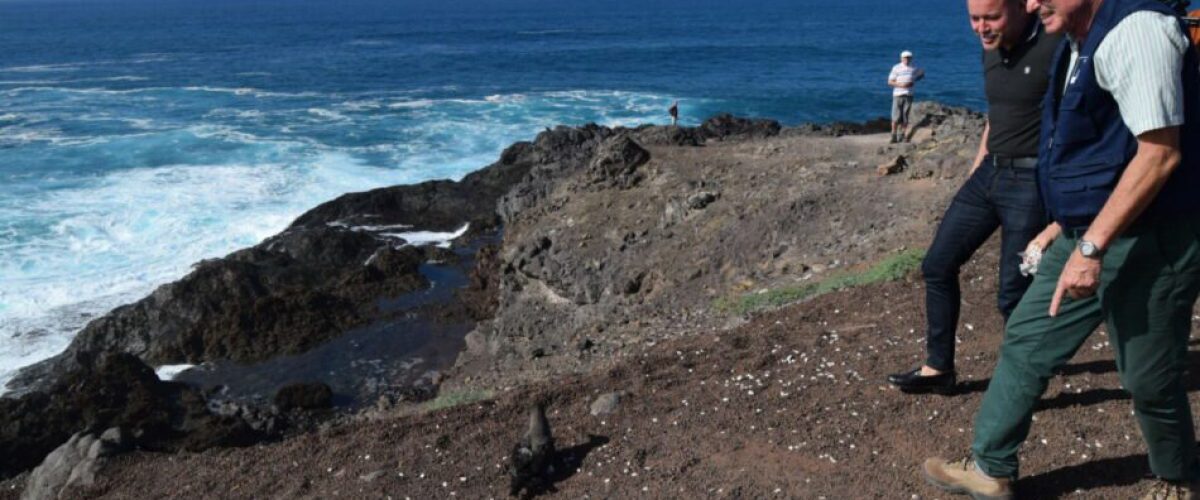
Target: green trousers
[(1149, 282)]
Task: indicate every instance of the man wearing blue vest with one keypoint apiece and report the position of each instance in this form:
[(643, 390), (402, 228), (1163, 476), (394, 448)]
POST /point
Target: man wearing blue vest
[(1119, 169)]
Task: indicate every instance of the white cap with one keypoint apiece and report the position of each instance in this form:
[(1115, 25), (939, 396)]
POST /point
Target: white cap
[(906, 54)]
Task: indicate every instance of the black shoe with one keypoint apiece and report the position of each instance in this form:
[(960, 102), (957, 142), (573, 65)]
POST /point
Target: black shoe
[(913, 382)]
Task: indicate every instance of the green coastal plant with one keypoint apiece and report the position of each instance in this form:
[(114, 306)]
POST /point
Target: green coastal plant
[(450, 399), (891, 268)]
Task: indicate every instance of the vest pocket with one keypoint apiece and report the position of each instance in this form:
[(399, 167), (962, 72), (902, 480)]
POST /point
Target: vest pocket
[(1081, 189), (1074, 122), (1096, 165)]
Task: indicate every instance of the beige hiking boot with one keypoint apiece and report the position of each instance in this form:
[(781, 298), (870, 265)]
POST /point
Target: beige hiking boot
[(962, 476), (1167, 490)]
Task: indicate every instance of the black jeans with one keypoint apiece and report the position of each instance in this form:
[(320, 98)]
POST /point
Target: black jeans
[(992, 197)]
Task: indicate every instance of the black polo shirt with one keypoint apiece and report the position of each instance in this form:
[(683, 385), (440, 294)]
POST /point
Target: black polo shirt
[(1015, 81)]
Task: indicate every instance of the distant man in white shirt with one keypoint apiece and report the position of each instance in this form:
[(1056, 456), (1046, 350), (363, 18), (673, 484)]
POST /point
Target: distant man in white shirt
[(902, 79)]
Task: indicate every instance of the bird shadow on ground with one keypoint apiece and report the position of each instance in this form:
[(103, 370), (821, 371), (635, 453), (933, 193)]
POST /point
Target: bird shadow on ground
[(1067, 481), (566, 463)]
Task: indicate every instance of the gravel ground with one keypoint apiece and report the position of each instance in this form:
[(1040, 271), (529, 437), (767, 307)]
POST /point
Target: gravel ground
[(791, 404)]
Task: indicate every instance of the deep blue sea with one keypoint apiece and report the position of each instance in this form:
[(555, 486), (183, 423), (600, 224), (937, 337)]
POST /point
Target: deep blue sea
[(140, 136)]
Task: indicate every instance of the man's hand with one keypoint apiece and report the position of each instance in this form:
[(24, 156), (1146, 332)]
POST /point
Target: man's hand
[(1047, 236), (1080, 279), (983, 150), (1032, 255), (1158, 155)]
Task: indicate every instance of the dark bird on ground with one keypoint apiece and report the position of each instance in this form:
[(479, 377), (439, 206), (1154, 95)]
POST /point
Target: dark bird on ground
[(533, 456)]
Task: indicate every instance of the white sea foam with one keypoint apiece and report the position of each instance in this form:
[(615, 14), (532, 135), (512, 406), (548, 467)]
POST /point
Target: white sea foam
[(235, 113), (126, 78), (327, 114), (54, 136), (367, 105), (76, 66), (224, 133), (234, 91), (30, 82), (499, 98), (419, 103), (169, 372), (43, 68), (149, 57), (422, 238), (83, 91), (239, 91)]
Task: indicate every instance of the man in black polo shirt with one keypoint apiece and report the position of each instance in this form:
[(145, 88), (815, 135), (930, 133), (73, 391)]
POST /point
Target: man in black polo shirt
[(1001, 190)]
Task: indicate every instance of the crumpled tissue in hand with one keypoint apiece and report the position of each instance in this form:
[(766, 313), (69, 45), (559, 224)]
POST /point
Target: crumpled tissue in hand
[(1029, 260)]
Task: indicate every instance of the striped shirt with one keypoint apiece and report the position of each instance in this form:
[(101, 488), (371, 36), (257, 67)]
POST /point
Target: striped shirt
[(1140, 62), (905, 73)]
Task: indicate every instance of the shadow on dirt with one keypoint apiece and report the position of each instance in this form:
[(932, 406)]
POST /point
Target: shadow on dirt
[(1067, 481), (1090, 397)]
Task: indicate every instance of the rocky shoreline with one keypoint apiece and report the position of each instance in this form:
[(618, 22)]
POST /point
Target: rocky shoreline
[(582, 248)]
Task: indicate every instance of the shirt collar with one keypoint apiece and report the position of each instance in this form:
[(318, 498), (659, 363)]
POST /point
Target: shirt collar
[(1034, 29)]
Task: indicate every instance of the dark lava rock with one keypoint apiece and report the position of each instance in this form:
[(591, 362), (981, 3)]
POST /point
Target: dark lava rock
[(667, 135), (318, 246), (557, 154), (701, 200), (317, 279), (726, 126), (73, 465), (304, 396), (948, 121), (616, 161), (838, 129), (481, 295), (112, 390)]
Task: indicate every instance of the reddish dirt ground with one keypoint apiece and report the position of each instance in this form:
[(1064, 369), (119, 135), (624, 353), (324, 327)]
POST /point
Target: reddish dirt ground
[(791, 404)]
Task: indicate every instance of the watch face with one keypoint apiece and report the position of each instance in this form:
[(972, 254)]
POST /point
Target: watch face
[(1087, 248)]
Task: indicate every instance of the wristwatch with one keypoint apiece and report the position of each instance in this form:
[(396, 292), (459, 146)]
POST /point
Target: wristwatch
[(1090, 250)]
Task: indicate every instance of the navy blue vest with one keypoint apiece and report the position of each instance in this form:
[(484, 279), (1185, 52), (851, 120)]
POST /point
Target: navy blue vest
[(1085, 146)]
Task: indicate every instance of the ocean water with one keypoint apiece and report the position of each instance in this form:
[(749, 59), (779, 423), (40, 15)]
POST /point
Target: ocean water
[(140, 136)]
